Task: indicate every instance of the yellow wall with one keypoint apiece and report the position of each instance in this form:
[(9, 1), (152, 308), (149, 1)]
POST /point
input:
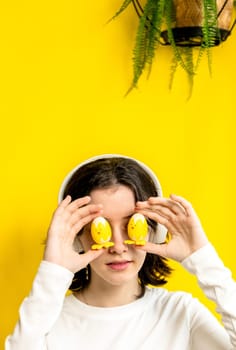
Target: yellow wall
[(63, 76)]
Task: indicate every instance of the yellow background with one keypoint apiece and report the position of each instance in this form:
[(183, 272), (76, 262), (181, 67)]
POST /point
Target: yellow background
[(63, 76)]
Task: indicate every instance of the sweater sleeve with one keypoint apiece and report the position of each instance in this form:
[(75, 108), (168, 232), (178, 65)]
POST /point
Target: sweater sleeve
[(216, 282), (40, 310)]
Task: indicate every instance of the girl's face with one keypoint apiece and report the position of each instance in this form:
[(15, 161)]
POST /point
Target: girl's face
[(121, 263)]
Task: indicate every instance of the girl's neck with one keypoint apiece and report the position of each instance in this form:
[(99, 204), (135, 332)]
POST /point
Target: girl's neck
[(109, 296)]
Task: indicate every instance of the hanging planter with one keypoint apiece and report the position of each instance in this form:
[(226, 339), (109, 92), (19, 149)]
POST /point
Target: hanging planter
[(183, 24)]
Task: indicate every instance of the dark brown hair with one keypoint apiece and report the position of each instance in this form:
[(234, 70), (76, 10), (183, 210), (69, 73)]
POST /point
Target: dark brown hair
[(104, 173)]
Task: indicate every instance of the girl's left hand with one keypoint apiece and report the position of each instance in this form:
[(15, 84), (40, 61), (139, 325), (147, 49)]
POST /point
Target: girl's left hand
[(184, 227)]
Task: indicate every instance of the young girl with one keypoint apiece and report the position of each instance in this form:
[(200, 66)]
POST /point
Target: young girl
[(112, 305)]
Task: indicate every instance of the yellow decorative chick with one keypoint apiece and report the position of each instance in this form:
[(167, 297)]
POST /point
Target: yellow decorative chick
[(137, 230), (101, 233)]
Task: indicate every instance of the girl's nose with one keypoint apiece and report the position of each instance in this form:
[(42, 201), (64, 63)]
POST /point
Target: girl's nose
[(118, 237)]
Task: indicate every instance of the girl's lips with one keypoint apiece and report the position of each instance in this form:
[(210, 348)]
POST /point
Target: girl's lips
[(119, 265)]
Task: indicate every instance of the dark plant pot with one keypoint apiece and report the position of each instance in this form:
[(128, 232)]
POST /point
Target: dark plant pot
[(188, 20), (193, 36)]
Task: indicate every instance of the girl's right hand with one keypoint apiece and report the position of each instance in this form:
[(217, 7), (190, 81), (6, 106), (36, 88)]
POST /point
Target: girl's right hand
[(68, 219)]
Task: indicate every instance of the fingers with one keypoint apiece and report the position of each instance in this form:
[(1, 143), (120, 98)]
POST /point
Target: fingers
[(160, 209), (72, 206), (183, 224), (157, 249), (71, 216), (68, 219), (184, 203), (167, 205), (83, 215), (65, 202), (77, 209), (175, 213), (91, 255), (80, 261)]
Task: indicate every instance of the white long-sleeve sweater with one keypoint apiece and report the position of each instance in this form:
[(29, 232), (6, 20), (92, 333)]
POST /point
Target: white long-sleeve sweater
[(159, 320)]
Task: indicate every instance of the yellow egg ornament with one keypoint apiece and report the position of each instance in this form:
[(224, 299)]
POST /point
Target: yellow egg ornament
[(101, 233), (137, 230)]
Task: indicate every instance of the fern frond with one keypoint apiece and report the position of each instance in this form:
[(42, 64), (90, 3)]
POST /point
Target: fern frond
[(187, 52), (121, 9), (173, 68), (139, 51), (201, 51), (176, 50), (156, 20), (145, 42), (209, 29)]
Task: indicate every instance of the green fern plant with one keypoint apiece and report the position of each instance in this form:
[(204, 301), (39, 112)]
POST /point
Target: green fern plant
[(159, 24)]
